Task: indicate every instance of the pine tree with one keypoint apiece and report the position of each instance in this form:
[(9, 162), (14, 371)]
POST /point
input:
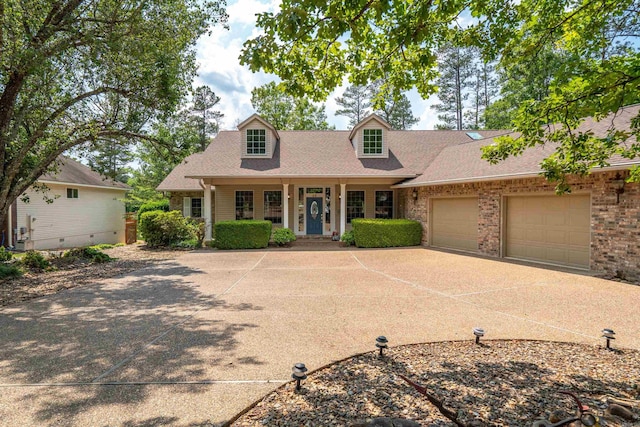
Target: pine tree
[(110, 158), (395, 109), (455, 68), (483, 89), (204, 99), (355, 104)]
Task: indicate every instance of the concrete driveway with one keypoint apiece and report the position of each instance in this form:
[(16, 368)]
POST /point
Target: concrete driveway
[(199, 338)]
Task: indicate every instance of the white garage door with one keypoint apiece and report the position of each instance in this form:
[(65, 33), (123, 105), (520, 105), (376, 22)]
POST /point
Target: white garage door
[(454, 223), (553, 229)]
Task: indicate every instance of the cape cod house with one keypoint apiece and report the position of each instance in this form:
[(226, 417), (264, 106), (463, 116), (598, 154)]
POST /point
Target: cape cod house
[(316, 182), (87, 209)]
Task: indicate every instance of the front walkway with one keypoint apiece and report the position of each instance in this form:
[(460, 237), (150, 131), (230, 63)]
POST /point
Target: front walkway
[(201, 337)]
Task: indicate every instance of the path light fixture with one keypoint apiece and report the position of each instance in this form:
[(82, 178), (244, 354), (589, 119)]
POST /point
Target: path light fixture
[(478, 332), (618, 186), (381, 343), (299, 374), (609, 335)]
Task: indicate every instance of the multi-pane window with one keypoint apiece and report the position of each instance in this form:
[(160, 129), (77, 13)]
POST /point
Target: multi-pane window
[(256, 141), (384, 204), (372, 141), (273, 206), (244, 204), (72, 193), (196, 207), (355, 205)]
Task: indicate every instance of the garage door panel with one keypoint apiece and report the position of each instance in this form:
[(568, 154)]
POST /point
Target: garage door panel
[(554, 229), (454, 223)]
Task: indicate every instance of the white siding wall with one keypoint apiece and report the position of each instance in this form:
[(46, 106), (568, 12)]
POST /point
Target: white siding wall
[(96, 216)]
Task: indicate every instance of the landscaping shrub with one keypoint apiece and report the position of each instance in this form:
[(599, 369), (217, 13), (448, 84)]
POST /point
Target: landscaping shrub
[(244, 234), (90, 253), (9, 271), (160, 228), (283, 236), (384, 233), (197, 226), (35, 260), (348, 238), (160, 205), (102, 246), (5, 255)]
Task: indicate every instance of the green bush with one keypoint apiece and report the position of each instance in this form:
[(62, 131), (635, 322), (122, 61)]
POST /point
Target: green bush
[(198, 226), (9, 271), (165, 228), (35, 260), (283, 236), (348, 238), (160, 205), (243, 234), (90, 253), (102, 246), (384, 233), (5, 255)]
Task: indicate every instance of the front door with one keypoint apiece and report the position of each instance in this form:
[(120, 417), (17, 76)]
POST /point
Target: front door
[(314, 215)]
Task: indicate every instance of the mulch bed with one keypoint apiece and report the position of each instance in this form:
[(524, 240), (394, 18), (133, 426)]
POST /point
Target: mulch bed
[(501, 383)]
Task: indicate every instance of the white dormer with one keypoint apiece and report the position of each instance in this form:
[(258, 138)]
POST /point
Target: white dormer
[(369, 138), (259, 138)]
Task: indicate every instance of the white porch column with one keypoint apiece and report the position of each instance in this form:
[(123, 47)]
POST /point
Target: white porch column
[(343, 208), (207, 213), (285, 205)]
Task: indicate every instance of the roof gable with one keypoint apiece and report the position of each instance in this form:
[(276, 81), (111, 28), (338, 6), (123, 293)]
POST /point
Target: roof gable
[(367, 121)]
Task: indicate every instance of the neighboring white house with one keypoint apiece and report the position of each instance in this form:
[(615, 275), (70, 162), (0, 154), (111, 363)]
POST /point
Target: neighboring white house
[(87, 209)]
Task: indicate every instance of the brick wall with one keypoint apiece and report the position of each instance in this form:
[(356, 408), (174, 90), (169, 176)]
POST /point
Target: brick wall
[(175, 201), (615, 227)]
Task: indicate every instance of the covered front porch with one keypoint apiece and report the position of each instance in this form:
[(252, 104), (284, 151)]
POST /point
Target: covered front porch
[(308, 206)]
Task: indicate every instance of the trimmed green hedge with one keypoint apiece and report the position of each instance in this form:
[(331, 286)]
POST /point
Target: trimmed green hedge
[(243, 234), (384, 233), (160, 228)]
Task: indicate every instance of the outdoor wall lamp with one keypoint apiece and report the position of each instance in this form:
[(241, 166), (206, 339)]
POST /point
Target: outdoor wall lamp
[(381, 343), (609, 335), (415, 194), (618, 186), (299, 374), (478, 332)]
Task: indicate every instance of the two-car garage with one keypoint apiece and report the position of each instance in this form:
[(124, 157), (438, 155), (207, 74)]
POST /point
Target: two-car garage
[(548, 228)]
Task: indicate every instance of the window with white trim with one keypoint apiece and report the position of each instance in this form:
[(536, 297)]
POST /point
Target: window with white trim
[(72, 193), (372, 141), (355, 205), (256, 141), (192, 207), (273, 206), (244, 205), (384, 204)]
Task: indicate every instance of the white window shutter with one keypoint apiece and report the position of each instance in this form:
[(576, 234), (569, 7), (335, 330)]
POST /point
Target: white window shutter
[(186, 206)]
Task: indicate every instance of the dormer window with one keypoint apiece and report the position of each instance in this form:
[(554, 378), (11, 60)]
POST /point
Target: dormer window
[(372, 141), (257, 141)]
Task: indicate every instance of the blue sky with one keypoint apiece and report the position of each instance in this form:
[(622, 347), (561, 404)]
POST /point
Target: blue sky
[(220, 69)]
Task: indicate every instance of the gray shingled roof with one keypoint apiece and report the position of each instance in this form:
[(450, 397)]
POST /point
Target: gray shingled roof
[(314, 153), (73, 172), (463, 162)]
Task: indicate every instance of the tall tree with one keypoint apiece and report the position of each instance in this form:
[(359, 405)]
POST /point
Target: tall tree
[(204, 99), (455, 67), (75, 71), (483, 88), (393, 107), (313, 45), (355, 104), (285, 111), (110, 158)]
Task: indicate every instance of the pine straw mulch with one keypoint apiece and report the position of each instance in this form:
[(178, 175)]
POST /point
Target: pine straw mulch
[(501, 383), (66, 275)]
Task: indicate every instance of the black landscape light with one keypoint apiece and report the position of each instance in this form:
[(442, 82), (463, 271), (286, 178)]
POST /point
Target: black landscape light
[(609, 335), (478, 332), (299, 374), (381, 343)]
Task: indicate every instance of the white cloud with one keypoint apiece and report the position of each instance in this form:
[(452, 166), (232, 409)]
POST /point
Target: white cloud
[(219, 68)]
